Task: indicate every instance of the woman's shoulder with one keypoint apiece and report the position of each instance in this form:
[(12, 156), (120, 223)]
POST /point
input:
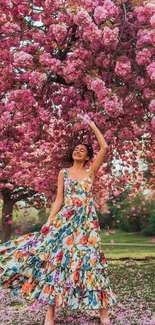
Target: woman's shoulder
[(62, 170)]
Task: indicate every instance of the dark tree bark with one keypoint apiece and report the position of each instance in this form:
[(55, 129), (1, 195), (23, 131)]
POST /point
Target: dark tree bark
[(9, 199), (6, 217)]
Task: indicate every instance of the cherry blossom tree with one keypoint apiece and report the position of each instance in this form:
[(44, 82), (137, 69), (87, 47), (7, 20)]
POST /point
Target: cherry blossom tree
[(63, 58)]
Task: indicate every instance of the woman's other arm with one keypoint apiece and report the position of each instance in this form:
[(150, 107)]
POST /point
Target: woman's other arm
[(59, 198)]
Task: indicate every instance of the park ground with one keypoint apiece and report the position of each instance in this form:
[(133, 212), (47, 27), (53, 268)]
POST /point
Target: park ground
[(131, 272)]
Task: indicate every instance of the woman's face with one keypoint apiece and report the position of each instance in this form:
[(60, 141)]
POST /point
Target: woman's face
[(80, 153)]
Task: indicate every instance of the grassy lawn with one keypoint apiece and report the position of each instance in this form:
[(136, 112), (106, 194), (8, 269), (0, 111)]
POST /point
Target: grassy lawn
[(126, 252), (124, 237)]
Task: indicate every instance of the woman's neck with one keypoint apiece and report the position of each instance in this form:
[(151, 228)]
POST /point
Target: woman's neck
[(78, 166)]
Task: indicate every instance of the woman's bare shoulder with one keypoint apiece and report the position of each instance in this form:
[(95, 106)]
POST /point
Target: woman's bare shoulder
[(61, 171)]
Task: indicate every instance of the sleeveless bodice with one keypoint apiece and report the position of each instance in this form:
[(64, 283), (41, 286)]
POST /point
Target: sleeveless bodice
[(78, 193)]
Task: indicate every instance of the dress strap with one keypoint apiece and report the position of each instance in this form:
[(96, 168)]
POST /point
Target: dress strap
[(65, 173), (89, 172)]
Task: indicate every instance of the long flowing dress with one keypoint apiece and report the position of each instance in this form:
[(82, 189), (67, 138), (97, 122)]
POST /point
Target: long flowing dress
[(63, 263)]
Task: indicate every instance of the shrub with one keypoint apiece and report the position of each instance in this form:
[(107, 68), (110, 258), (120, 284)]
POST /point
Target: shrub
[(150, 229)]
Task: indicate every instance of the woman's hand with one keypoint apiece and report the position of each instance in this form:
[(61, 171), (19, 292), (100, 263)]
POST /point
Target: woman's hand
[(45, 228), (92, 124)]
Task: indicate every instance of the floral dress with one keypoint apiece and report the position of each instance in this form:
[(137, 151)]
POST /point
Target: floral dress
[(64, 263)]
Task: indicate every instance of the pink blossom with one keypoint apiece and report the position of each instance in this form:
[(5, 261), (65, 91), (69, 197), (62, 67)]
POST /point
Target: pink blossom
[(116, 193), (39, 35), (110, 36), (150, 7), (97, 84), (151, 71), (113, 107), (141, 82), (144, 37), (123, 67), (16, 231), (34, 306), (137, 130), (86, 118), (60, 32), (22, 96), (153, 240), (10, 106), (148, 93), (22, 59), (64, 18), (125, 134), (152, 35), (52, 5), (153, 121), (54, 64), (92, 33), (144, 12), (45, 59), (100, 14), (111, 8), (71, 71), (144, 56), (8, 4), (103, 60), (9, 28), (141, 14), (148, 154), (20, 129), (82, 18), (108, 135), (6, 118), (3, 18), (152, 21), (83, 54), (152, 106), (37, 78)]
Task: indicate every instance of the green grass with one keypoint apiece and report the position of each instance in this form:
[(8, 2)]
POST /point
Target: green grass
[(126, 252), (125, 237)]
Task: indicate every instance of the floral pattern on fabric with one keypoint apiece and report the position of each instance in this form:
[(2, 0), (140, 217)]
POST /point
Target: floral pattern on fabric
[(64, 263)]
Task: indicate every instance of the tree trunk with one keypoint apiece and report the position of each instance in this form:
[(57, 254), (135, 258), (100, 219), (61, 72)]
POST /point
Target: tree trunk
[(7, 219)]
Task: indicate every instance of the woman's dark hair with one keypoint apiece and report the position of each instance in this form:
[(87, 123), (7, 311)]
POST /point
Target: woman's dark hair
[(89, 151)]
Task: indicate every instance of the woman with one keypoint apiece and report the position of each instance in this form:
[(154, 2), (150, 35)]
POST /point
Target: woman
[(63, 264)]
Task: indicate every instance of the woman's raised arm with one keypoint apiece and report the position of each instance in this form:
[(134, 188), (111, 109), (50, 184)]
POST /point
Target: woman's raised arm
[(95, 165)]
